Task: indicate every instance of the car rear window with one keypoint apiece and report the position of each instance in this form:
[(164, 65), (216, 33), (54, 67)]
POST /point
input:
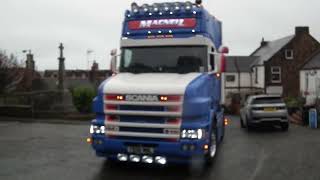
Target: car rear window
[(267, 100)]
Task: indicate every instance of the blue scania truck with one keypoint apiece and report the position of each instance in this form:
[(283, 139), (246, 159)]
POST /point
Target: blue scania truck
[(162, 105)]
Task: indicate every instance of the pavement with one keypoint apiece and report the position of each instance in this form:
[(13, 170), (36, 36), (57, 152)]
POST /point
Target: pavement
[(45, 151)]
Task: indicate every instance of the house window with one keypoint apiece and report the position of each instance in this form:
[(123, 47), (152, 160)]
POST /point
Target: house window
[(230, 78), (275, 74), (289, 54)]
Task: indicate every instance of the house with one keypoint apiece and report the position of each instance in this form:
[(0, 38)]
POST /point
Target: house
[(276, 71), (310, 79), (75, 78), (237, 79)]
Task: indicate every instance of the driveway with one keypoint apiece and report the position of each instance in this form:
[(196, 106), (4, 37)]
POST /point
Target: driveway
[(41, 151)]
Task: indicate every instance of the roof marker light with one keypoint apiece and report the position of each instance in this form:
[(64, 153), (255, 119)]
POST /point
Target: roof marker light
[(145, 7), (166, 7), (134, 7)]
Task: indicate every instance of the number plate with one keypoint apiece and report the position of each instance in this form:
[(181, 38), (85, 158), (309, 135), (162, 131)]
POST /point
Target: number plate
[(270, 109), (140, 150)]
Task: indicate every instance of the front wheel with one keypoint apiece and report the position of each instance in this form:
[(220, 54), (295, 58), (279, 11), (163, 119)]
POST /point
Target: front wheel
[(242, 123), (212, 148), (285, 126)]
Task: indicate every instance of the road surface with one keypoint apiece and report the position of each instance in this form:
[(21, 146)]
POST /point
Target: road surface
[(44, 151)]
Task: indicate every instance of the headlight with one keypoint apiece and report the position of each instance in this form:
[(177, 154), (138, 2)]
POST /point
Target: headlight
[(192, 134), (97, 129)]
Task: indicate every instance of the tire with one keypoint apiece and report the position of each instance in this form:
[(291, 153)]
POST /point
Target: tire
[(248, 125), (209, 158), (242, 123), (224, 131), (285, 126)]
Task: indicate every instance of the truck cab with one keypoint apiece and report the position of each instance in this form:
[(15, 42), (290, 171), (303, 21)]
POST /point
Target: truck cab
[(162, 105)]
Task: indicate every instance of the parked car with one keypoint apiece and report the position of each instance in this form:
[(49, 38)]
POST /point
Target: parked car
[(262, 109)]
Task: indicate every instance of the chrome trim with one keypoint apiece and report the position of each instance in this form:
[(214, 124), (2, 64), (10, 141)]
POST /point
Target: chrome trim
[(177, 103), (145, 135), (142, 125), (143, 113)]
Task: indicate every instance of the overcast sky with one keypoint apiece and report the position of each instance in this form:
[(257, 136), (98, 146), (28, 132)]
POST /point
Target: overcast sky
[(40, 25)]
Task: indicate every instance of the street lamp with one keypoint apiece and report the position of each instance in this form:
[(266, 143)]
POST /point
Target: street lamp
[(89, 51)]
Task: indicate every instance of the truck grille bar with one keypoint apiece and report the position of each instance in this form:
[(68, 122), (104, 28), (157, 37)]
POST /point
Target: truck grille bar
[(142, 125), (143, 113), (141, 134), (147, 119)]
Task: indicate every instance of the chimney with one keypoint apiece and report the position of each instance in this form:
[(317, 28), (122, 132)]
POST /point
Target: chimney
[(95, 66), (263, 42), (302, 30)]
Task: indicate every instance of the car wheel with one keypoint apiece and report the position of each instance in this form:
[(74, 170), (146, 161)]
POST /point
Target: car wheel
[(248, 125), (285, 126), (223, 131), (212, 147), (242, 123)]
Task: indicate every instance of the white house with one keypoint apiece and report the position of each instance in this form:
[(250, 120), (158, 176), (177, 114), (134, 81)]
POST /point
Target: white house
[(310, 79), (238, 78)]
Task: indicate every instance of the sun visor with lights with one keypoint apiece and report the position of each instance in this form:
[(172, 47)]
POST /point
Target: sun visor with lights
[(162, 19), (162, 23), (171, 20)]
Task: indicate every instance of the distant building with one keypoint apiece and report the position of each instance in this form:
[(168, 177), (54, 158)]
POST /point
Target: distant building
[(74, 78), (310, 79), (237, 80), (276, 71)]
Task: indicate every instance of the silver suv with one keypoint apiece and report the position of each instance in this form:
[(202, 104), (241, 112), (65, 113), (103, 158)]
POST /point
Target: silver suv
[(264, 109)]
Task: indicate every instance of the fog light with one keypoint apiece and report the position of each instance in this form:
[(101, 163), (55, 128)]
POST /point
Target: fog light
[(122, 157), (134, 158), (147, 159), (160, 160), (206, 147), (226, 122)]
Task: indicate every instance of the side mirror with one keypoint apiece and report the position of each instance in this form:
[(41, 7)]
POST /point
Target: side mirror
[(113, 62), (224, 50)]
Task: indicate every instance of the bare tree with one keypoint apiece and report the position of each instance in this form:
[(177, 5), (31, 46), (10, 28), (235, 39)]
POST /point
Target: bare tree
[(11, 72)]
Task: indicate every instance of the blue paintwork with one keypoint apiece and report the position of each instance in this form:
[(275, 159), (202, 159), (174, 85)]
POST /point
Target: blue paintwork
[(201, 108)]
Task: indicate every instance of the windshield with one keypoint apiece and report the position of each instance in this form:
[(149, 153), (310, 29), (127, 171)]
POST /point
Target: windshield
[(164, 59), (268, 100)]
